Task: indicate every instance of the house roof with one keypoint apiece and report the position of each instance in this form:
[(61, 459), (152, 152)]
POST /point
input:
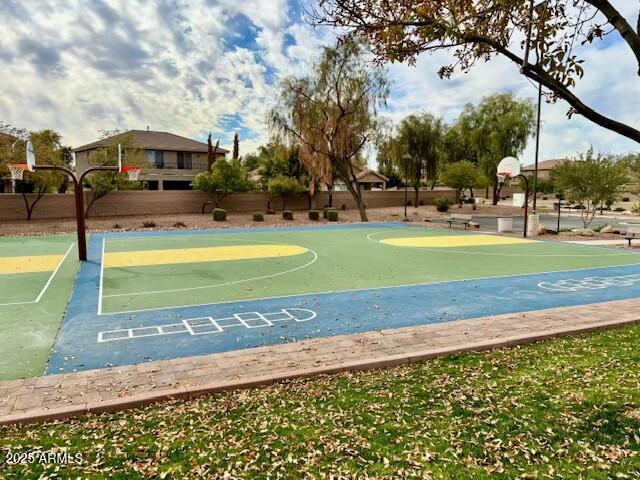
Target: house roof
[(366, 172), (150, 140), (545, 164)]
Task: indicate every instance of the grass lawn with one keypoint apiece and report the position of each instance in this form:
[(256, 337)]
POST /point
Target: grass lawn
[(567, 408)]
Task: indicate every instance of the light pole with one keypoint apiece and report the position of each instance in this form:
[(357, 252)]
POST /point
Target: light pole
[(535, 167)]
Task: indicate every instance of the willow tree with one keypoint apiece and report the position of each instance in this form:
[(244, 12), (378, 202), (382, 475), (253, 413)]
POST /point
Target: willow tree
[(499, 126), (423, 137), (332, 114), (479, 30)]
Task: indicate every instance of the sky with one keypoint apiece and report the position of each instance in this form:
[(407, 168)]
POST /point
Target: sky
[(195, 66)]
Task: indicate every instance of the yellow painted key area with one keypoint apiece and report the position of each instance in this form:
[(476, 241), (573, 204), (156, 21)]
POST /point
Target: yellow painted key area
[(199, 255), (452, 241), (29, 264)]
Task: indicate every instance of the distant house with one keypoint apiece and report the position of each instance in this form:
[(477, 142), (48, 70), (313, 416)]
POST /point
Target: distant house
[(367, 179), (544, 168), (173, 161)]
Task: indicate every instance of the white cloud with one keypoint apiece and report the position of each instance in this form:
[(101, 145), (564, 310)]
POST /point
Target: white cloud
[(175, 65), (186, 66)]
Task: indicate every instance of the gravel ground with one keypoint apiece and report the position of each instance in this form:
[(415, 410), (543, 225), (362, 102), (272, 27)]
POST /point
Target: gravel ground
[(234, 220)]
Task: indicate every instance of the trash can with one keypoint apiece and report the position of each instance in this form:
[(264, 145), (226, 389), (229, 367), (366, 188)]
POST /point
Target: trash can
[(505, 225)]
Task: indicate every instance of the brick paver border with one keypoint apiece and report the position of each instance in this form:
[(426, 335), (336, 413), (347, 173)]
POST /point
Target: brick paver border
[(109, 389)]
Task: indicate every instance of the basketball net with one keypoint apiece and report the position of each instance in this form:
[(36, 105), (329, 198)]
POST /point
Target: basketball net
[(16, 171), (133, 173), (503, 177)]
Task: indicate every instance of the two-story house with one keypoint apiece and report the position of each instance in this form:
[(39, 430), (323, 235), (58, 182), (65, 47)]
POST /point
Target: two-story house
[(173, 161)]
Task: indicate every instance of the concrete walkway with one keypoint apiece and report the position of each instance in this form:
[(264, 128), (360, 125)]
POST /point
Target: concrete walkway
[(612, 242), (109, 389)]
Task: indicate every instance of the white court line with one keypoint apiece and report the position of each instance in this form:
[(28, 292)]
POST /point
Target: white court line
[(450, 250), (332, 292), (235, 282), (101, 279), (46, 285)]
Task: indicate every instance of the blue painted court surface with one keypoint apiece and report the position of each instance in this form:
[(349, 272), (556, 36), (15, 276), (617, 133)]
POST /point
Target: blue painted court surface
[(131, 305)]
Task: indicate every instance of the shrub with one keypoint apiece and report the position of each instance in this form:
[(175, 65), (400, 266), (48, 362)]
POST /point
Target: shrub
[(258, 217), (287, 214), (443, 204), (421, 203), (116, 225), (314, 215), (618, 209), (545, 198), (270, 212), (580, 207), (343, 207), (408, 203), (219, 214), (332, 215), (179, 225), (626, 199), (149, 224), (325, 210)]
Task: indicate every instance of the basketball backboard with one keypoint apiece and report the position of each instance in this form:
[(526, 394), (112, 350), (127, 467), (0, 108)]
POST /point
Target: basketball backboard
[(509, 167), (31, 156)]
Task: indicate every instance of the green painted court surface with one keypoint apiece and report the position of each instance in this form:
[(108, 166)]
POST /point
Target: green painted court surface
[(335, 260), (142, 272), (32, 304)]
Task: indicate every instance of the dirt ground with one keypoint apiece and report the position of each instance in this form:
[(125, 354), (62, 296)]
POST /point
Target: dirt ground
[(234, 220), (244, 220)]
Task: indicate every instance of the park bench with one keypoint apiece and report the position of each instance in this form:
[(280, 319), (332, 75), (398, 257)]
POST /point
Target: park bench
[(633, 233), (459, 219)]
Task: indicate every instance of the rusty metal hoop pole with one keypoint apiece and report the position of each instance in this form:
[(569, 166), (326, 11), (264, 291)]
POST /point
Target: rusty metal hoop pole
[(79, 197)]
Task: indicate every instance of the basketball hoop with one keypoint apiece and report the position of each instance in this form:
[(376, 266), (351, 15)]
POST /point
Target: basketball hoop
[(133, 172), (17, 170), (503, 177), (508, 168)]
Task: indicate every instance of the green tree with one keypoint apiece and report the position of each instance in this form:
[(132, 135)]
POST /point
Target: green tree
[(278, 159), (224, 178), (479, 30), (461, 176), (251, 161), (590, 180), (423, 136), (101, 183), (498, 127), (48, 149), (285, 188), (332, 114)]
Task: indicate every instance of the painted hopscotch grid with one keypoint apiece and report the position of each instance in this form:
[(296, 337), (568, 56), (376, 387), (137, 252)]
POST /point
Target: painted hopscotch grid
[(210, 325), (590, 283)]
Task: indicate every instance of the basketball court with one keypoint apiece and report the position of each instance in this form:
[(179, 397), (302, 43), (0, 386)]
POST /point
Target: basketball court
[(144, 296)]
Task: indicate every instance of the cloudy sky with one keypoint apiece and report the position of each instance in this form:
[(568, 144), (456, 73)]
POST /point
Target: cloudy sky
[(191, 66)]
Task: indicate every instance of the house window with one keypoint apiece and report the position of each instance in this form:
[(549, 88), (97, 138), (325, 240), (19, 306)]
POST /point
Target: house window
[(184, 161), (156, 158)]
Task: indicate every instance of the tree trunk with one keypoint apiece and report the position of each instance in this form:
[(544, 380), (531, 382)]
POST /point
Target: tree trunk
[(496, 193), (32, 206), (417, 196), (357, 197), (330, 188)]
